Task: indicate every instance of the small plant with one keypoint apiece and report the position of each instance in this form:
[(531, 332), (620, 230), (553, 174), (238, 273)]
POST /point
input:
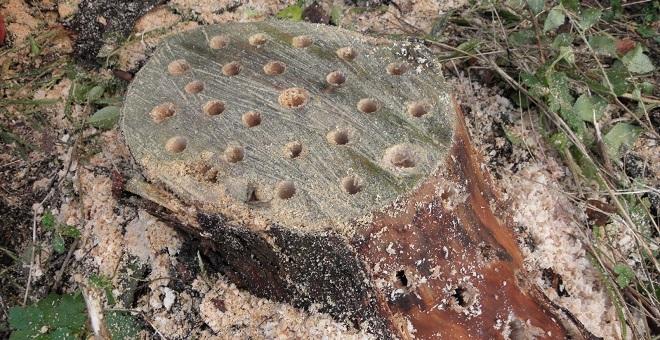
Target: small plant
[(60, 231), (588, 68), (53, 317)]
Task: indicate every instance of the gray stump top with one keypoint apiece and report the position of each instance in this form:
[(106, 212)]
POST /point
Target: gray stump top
[(304, 125)]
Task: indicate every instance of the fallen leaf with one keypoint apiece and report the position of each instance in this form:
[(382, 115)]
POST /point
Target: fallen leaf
[(624, 45), (2, 29)]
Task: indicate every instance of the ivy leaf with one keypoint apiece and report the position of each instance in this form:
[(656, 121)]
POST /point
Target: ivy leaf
[(638, 62), (48, 221), (566, 53), (70, 231), (617, 75), (95, 93), (562, 40), (588, 108), (105, 118), (621, 135), (522, 37), (555, 19), (589, 17), (603, 44), (122, 325), (536, 6), (559, 96), (535, 86), (58, 243), (625, 275), (59, 315)]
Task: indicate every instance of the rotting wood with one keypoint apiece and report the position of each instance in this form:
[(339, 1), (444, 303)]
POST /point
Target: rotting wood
[(317, 166)]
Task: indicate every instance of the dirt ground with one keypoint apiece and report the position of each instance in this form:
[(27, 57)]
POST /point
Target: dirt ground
[(54, 162)]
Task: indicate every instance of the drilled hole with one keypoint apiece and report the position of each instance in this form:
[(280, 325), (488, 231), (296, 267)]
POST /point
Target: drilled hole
[(347, 53), (285, 189), (178, 67), (396, 69), (218, 42), (176, 144), (194, 86), (213, 107), (351, 184), (162, 112), (258, 39), (234, 153), (293, 97), (335, 78), (401, 276), (231, 69), (367, 105), (251, 119), (301, 41), (338, 137), (464, 296), (293, 149), (400, 156), (418, 109), (273, 68)]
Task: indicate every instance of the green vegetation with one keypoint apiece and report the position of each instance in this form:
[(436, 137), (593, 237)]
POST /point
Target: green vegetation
[(53, 317), (584, 71)]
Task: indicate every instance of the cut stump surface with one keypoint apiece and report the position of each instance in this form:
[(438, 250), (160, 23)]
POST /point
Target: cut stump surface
[(318, 166)]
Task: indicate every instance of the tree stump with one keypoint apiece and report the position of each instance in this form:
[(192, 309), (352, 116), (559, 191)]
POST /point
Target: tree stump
[(319, 166)]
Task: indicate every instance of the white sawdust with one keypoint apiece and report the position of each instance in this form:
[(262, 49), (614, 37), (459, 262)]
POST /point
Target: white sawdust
[(232, 313)]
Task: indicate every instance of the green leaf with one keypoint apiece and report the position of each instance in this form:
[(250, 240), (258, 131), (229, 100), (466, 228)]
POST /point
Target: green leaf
[(104, 283), (336, 15), (28, 319), (70, 231), (122, 325), (559, 95), (616, 10), (621, 135), (105, 118), (35, 49), (555, 19), (603, 44), (536, 6), (59, 246), (62, 316), (95, 93), (588, 108), (637, 62), (617, 75), (560, 141), (513, 137), (562, 40), (589, 17), (469, 46), (48, 220), (522, 37), (625, 275), (646, 88), (573, 5), (535, 86), (293, 12), (566, 53), (646, 31)]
